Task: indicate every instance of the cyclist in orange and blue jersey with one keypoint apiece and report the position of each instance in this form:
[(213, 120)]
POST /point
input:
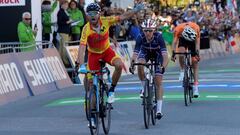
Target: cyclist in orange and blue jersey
[(187, 36)]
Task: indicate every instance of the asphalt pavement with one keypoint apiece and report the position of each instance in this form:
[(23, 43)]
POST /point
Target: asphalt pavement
[(216, 112)]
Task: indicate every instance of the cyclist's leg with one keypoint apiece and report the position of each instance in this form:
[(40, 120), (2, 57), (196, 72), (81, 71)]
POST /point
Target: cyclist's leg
[(182, 49), (159, 88), (93, 64), (142, 58), (159, 96), (113, 59), (195, 70)]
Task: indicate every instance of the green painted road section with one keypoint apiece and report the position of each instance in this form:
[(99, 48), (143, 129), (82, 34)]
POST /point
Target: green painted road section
[(169, 96)]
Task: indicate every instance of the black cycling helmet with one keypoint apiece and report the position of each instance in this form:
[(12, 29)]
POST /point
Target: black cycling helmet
[(93, 7)]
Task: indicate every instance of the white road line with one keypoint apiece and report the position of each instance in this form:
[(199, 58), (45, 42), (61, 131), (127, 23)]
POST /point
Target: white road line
[(72, 101), (211, 96)]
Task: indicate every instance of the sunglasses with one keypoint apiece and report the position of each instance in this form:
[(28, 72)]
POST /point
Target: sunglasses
[(92, 14), (148, 30), (27, 18)]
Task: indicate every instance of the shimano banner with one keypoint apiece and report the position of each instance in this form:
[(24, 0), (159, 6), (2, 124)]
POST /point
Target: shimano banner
[(38, 71), (57, 68), (13, 85)]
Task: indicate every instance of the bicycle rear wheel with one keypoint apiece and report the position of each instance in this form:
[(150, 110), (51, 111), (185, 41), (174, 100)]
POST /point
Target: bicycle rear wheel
[(146, 109), (105, 111), (191, 85), (93, 112), (186, 87)]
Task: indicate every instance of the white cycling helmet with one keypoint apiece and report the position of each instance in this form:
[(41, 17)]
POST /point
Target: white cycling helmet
[(189, 34), (149, 24)]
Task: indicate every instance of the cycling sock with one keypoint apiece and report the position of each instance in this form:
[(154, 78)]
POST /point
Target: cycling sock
[(159, 106), (112, 88)]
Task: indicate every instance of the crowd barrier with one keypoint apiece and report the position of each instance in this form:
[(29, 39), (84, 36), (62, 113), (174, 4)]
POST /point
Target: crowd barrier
[(125, 51), (25, 74)]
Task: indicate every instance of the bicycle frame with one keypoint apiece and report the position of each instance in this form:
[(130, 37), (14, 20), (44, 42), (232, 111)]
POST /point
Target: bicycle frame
[(98, 81), (187, 81), (98, 87), (149, 101)]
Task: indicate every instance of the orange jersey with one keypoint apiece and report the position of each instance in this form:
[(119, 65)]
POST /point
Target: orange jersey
[(179, 29), (98, 42)]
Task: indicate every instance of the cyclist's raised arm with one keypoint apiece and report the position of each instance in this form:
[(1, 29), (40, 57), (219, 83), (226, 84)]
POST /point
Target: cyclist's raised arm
[(132, 12)]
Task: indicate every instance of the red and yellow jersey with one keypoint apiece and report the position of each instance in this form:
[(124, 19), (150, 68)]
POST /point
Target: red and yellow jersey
[(179, 29), (98, 42)]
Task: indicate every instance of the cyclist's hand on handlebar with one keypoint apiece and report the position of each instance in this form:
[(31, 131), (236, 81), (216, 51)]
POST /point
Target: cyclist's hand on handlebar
[(83, 69), (173, 58), (197, 56), (75, 72), (162, 70), (132, 68)]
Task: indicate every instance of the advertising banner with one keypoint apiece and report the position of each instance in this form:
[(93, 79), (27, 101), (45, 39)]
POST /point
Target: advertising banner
[(38, 72), (72, 52), (4, 3), (13, 85), (57, 68), (125, 51)]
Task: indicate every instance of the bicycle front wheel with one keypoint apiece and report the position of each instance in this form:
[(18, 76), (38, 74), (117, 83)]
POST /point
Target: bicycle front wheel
[(146, 108), (106, 111), (86, 102), (93, 112), (154, 104)]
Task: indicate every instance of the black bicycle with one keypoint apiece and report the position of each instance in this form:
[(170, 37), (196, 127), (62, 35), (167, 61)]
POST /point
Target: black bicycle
[(149, 100), (188, 77), (96, 105)]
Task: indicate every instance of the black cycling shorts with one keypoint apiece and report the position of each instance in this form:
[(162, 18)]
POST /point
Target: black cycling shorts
[(187, 44)]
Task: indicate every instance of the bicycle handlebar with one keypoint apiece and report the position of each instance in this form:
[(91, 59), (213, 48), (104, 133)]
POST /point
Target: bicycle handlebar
[(185, 53), (144, 64)]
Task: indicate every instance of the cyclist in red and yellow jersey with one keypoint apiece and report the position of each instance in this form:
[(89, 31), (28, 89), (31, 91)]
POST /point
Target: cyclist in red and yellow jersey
[(187, 36), (95, 35)]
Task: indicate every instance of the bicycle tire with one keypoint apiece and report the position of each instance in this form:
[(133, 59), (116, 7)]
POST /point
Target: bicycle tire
[(191, 86), (86, 95), (86, 105), (186, 87), (93, 112), (146, 113), (105, 111), (154, 104)]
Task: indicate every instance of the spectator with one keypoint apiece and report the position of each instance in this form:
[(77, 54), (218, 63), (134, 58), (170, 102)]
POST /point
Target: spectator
[(134, 29), (47, 10), (25, 33), (64, 23), (77, 17), (81, 8)]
